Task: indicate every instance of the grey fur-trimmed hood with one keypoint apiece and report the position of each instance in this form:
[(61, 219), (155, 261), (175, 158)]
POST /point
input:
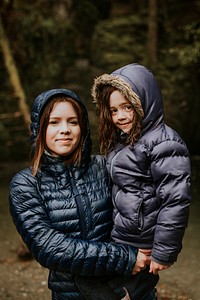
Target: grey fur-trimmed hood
[(138, 85)]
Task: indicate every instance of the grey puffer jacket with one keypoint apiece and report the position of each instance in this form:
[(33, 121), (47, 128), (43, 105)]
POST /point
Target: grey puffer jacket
[(64, 215), (151, 191)]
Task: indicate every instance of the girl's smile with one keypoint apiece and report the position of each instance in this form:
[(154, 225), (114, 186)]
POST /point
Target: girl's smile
[(122, 111)]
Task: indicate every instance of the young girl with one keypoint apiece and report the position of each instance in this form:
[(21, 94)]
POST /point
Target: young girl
[(61, 205), (148, 162)]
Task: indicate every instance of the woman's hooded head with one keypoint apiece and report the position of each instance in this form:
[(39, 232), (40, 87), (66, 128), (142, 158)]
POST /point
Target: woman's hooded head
[(40, 103)]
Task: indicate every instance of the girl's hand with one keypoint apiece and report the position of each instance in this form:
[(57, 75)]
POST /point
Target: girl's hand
[(145, 251), (155, 267)]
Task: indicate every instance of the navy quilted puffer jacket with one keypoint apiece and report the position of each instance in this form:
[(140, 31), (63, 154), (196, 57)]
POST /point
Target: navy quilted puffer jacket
[(64, 214), (151, 191)]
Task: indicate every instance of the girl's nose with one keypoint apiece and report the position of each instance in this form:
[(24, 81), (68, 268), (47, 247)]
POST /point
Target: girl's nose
[(121, 114)]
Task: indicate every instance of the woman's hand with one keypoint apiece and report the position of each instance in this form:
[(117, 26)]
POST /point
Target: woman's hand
[(143, 259)]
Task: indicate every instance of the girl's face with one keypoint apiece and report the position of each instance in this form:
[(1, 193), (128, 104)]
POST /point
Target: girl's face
[(63, 132), (122, 111)]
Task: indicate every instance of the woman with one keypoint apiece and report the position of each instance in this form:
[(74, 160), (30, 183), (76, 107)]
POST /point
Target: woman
[(61, 205)]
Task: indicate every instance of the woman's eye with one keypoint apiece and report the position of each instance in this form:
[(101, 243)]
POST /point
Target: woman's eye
[(53, 122), (74, 122)]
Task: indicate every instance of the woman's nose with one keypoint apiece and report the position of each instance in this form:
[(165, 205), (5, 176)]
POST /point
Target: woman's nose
[(64, 127)]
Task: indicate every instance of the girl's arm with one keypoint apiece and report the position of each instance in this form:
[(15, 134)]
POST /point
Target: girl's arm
[(171, 172)]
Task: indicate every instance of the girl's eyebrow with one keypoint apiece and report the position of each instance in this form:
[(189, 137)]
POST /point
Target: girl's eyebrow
[(123, 103)]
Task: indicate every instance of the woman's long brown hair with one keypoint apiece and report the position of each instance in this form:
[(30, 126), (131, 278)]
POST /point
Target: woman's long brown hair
[(40, 143), (107, 130)]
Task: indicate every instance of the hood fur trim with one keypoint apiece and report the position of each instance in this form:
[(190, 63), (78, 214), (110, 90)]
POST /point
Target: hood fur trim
[(120, 85)]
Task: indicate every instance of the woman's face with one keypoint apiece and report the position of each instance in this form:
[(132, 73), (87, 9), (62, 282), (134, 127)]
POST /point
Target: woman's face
[(63, 132), (122, 111)]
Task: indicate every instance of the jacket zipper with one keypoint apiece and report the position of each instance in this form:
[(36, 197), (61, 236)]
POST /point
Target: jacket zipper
[(111, 165), (79, 205)]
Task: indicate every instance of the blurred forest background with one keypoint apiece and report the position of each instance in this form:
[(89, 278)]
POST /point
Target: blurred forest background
[(66, 43)]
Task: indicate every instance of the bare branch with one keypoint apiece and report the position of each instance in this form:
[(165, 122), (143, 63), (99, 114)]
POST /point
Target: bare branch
[(13, 74)]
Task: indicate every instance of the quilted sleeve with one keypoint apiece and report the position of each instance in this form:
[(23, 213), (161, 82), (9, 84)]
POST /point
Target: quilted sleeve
[(55, 250), (170, 169)]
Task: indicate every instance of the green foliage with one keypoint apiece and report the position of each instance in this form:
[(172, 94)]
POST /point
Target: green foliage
[(86, 14), (43, 49), (189, 51), (3, 133), (53, 40), (119, 41)]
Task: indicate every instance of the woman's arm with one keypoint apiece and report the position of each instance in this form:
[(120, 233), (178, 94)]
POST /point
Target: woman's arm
[(56, 250)]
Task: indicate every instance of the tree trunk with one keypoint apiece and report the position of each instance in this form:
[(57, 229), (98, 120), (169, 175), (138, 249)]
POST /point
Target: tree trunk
[(152, 33), (13, 75)]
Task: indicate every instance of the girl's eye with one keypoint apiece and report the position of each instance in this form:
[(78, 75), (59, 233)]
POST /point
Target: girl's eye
[(113, 111), (128, 107)]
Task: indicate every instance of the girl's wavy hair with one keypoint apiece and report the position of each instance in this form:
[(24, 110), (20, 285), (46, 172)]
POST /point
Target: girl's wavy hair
[(40, 143), (109, 136)]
